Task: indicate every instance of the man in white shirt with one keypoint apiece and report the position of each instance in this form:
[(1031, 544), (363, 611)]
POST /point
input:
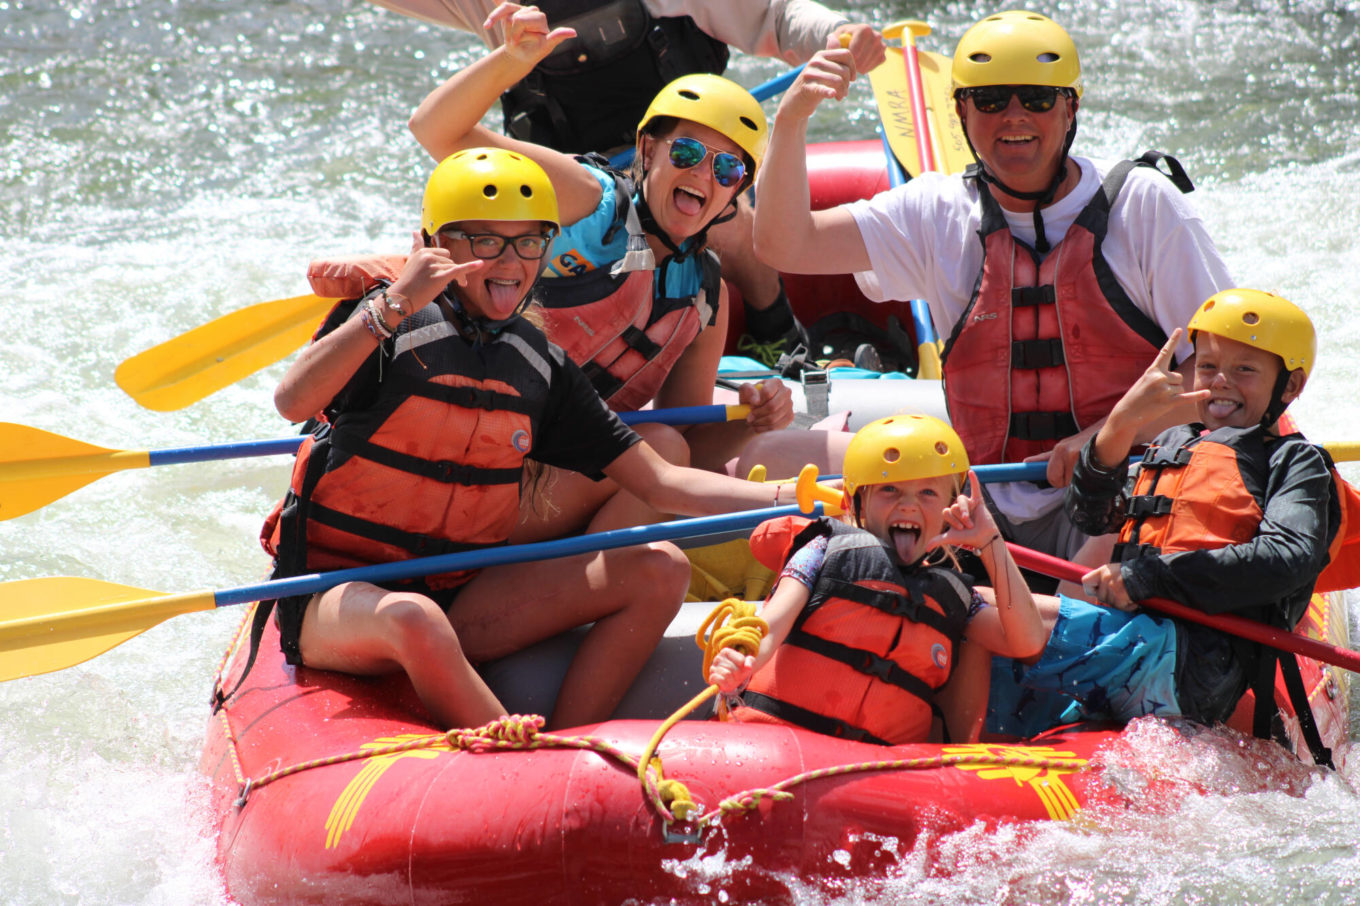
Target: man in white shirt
[(1053, 279)]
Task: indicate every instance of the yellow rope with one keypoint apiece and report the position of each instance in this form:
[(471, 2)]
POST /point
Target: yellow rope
[(734, 625), (748, 800)]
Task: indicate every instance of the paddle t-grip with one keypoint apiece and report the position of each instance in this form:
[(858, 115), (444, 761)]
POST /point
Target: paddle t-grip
[(810, 493)]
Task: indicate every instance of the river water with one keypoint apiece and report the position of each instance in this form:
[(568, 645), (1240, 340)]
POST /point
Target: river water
[(167, 162)]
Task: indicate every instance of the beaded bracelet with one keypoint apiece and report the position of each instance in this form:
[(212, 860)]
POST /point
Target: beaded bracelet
[(394, 306), (373, 320)]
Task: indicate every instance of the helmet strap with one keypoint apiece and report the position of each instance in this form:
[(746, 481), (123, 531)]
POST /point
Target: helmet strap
[(1277, 403), (1043, 197)]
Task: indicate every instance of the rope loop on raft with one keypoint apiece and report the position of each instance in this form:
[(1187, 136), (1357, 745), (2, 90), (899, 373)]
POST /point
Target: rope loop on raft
[(733, 624), (511, 731)]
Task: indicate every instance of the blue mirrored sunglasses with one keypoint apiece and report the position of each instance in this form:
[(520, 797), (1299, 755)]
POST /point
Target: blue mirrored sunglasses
[(728, 169)]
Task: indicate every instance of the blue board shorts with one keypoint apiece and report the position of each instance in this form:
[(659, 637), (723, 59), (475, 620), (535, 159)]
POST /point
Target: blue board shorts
[(1099, 664)]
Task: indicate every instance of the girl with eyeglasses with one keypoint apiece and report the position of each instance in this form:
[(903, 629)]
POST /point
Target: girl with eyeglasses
[(631, 291), (432, 392)]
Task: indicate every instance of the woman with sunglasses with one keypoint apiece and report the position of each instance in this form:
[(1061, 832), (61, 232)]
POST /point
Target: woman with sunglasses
[(1083, 269), (631, 292), (434, 392)]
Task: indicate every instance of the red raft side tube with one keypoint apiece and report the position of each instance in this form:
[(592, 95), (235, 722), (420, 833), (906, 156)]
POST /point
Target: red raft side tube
[(838, 172), (385, 810)]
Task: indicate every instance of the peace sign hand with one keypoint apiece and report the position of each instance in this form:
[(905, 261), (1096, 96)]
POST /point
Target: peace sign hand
[(527, 36), (968, 521), (1157, 391)]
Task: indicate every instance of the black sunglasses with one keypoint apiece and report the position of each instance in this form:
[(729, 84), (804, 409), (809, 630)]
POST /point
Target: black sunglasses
[(996, 98)]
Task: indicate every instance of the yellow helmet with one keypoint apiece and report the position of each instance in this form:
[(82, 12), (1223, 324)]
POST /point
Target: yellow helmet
[(487, 184), (1262, 320), (902, 448), (718, 103), (1017, 47)]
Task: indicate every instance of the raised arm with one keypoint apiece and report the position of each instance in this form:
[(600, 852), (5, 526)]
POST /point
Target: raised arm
[(1012, 626), (449, 118), (323, 368), (789, 235)]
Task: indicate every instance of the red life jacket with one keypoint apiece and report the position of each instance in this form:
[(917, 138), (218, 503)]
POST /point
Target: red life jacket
[(611, 322), (1044, 349), (868, 650), (431, 465)]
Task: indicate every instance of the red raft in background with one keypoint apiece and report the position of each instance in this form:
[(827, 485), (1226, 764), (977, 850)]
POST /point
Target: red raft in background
[(338, 790)]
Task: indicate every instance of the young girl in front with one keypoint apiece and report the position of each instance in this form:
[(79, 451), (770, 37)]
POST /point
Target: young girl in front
[(866, 621)]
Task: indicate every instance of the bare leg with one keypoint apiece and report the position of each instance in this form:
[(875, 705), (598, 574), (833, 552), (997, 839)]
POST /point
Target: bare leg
[(568, 503), (365, 630), (1095, 552), (771, 327), (630, 595), (963, 699), (757, 281), (784, 453)]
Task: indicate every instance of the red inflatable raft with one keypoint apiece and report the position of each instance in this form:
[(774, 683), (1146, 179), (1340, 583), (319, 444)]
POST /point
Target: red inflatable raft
[(335, 789)]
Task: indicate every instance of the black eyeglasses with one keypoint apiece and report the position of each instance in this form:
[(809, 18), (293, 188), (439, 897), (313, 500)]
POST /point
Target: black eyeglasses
[(530, 246), (728, 169), (996, 98)]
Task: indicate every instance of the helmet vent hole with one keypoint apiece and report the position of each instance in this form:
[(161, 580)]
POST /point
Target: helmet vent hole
[(526, 191), (980, 57), (1251, 317), (1047, 57), (892, 454), (941, 448), (688, 95), (749, 123), (489, 190)]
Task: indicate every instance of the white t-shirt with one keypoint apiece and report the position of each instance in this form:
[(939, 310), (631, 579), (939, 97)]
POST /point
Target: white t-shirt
[(922, 240)]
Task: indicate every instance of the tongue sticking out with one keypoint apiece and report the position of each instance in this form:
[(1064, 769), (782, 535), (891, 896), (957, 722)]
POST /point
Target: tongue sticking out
[(504, 296), (1222, 408), (687, 204), (904, 543)]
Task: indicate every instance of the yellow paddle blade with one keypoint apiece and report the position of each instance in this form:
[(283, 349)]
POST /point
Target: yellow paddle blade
[(38, 467), (893, 98), (58, 622), (185, 369), (1343, 450)]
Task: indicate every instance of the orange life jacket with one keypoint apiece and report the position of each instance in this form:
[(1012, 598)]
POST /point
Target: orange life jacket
[(1044, 349), (431, 466), (1189, 497), (1343, 569), (869, 649), (612, 323)]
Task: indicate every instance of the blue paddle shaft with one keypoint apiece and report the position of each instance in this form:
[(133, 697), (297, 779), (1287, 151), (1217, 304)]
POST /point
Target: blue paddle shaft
[(501, 556), (679, 415)]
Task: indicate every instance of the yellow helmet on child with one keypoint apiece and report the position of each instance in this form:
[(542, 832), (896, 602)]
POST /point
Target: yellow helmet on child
[(902, 448), (718, 103), (1017, 47), (487, 184), (1262, 320)]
